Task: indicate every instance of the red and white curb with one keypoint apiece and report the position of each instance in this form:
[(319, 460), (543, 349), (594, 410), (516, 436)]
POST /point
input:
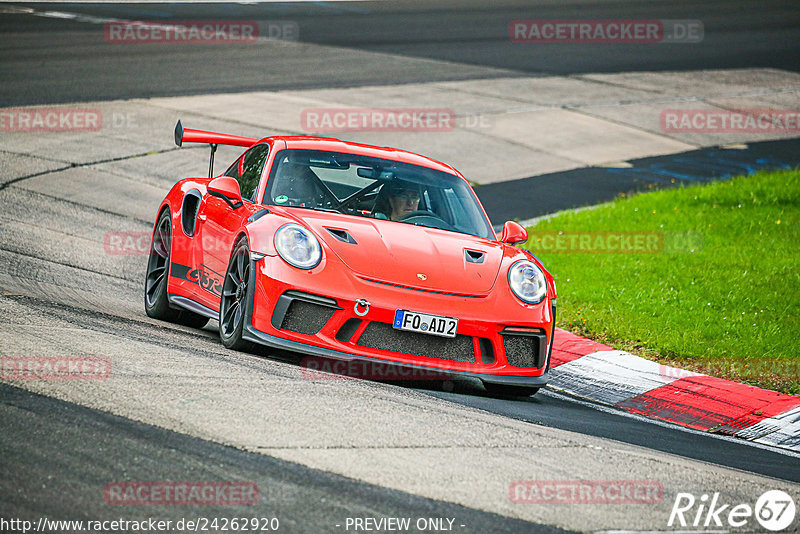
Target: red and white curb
[(598, 372)]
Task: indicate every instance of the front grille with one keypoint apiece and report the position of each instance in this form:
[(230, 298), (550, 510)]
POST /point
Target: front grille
[(525, 350), (303, 313), (348, 329), (306, 318), (383, 336)]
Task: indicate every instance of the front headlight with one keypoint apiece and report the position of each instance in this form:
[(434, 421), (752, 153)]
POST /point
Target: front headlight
[(527, 282), (298, 246)]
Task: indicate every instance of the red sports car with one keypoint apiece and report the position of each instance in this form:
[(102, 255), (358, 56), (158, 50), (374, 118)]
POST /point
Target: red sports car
[(351, 252)]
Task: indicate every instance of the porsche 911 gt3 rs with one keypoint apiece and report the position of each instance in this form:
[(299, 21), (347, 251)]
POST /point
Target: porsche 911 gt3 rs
[(351, 252)]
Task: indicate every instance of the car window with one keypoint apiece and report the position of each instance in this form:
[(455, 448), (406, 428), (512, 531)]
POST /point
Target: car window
[(378, 188), (254, 160), (233, 170)]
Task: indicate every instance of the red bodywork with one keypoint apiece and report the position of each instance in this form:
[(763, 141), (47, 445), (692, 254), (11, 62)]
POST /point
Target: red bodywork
[(385, 269)]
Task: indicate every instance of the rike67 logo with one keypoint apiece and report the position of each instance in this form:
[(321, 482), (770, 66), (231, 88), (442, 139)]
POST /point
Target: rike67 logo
[(774, 511)]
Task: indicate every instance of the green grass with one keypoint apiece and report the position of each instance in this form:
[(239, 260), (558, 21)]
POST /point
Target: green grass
[(722, 293)]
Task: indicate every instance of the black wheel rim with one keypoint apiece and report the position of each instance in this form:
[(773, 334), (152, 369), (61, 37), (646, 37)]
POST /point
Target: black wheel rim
[(158, 262), (234, 293)]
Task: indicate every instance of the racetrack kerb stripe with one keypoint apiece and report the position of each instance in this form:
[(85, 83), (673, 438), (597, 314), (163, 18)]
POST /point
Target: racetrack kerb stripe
[(694, 401), (707, 402), (568, 347)]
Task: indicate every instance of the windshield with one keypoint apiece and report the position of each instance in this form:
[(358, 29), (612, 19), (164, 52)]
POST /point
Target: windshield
[(370, 187)]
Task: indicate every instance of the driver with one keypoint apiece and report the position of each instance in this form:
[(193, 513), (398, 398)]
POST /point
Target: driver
[(398, 199), (297, 185)]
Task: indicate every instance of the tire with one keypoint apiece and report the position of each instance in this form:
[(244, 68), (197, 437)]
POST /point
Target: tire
[(502, 390), (233, 302), (156, 304)]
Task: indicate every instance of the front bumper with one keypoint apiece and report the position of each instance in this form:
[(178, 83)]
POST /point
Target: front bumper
[(253, 335), (500, 340)]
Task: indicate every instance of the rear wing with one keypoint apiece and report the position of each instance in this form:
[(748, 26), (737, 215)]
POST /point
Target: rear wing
[(190, 135)]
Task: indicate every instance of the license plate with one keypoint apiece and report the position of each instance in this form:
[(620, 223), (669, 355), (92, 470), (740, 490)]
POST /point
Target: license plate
[(425, 323)]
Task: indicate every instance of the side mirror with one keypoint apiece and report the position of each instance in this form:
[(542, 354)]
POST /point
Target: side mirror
[(513, 233), (227, 189)]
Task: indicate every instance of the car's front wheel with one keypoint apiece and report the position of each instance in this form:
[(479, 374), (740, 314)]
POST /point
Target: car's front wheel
[(156, 304), (233, 303)]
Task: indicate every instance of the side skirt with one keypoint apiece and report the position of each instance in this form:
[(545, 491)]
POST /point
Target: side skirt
[(189, 304)]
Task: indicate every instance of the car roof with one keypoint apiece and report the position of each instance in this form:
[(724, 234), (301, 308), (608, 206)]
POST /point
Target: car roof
[(337, 145)]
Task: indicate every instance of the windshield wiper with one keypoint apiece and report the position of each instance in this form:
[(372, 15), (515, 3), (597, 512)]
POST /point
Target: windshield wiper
[(317, 208)]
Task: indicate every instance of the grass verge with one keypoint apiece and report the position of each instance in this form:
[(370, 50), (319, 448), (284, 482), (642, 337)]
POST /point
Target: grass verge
[(705, 277)]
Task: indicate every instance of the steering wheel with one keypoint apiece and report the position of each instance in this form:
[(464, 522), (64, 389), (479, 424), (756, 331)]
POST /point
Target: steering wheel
[(425, 218)]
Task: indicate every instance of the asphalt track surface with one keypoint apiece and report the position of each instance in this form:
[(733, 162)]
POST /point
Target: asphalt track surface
[(52, 59), (57, 454), (302, 499)]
